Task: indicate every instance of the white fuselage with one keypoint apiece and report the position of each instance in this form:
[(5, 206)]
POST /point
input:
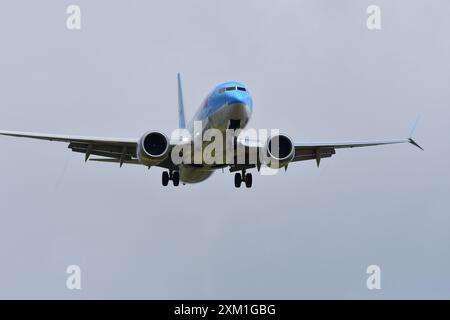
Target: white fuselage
[(233, 111)]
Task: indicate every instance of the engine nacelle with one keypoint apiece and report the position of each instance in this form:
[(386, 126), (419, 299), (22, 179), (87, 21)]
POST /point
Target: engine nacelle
[(280, 151), (153, 148)]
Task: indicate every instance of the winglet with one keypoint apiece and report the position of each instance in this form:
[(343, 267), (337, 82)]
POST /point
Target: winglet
[(410, 139), (181, 118)]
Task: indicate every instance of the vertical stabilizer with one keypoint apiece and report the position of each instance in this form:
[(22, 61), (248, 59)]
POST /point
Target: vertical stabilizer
[(181, 118)]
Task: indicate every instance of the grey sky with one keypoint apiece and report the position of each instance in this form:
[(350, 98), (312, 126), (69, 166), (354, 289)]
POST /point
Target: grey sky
[(314, 71)]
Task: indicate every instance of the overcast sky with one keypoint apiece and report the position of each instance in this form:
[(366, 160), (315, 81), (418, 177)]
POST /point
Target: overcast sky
[(314, 70)]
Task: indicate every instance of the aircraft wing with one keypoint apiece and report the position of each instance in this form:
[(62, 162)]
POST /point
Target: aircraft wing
[(119, 150), (325, 149), (319, 150)]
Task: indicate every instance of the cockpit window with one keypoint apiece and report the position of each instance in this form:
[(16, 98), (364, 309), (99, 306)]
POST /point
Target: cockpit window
[(222, 90)]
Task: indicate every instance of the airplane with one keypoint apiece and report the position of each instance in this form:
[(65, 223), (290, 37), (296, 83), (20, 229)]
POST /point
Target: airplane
[(228, 106)]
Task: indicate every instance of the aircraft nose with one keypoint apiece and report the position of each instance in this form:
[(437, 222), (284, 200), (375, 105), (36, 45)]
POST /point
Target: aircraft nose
[(239, 105), (237, 97)]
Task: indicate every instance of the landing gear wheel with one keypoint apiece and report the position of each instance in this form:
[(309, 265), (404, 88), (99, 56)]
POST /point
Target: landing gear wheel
[(248, 180), (237, 180), (176, 178), (165, 178)]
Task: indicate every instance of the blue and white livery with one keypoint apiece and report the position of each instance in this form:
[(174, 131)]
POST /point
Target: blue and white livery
[(229, 106)]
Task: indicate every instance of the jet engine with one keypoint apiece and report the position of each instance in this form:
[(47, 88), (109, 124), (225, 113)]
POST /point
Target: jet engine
[(153, 148), (280, 151)]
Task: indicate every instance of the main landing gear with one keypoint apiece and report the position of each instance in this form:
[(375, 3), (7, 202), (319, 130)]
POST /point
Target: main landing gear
[(244, 177), (171, 175)]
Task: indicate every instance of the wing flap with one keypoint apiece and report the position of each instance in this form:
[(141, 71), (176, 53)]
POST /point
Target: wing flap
[(127, 161), (112, 151), (311, 154), (102, 153)]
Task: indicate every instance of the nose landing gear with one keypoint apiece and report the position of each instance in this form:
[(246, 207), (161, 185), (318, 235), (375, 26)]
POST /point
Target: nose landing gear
[(244, 177), (234, 124), (171, 175)]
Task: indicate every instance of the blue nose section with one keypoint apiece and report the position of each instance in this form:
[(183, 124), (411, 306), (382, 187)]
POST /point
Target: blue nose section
[(239, 107), (238, 97)]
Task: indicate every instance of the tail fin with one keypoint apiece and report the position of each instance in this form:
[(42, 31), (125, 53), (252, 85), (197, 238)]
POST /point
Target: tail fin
[(181, 118)]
